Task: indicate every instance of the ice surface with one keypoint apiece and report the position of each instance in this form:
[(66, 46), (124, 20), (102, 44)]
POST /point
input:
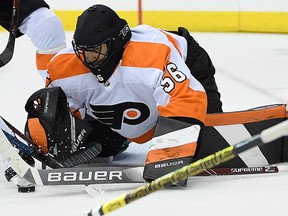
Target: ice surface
[(251, 72)]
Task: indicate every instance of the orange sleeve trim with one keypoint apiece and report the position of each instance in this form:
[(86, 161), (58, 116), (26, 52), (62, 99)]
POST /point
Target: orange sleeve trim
[(145, 137), (192, 107), (145, 55), (247, 116), (42, 60), (66, 65), (171, 153), (37, 134), (184, 101)]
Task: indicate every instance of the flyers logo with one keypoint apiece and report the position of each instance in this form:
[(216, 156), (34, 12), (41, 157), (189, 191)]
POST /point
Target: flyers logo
[(128, 113)]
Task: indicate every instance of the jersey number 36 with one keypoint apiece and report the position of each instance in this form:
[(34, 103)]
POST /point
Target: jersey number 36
[(176, 76)]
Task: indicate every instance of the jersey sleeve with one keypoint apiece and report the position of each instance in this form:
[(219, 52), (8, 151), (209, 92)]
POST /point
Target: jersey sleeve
[(179, 94), (62, 70)]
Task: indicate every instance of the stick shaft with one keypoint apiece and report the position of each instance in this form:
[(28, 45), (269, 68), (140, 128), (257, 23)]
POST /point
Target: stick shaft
[(193, 169), (7, 53)]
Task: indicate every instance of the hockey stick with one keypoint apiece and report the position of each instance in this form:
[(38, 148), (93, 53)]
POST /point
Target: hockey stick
[(226, 154), (218, 171), (115, 174), (7, 53), (66, 176), (98, 173), (102, 173)]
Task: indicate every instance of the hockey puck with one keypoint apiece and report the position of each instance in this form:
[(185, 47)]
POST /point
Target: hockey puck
[(26, 189)]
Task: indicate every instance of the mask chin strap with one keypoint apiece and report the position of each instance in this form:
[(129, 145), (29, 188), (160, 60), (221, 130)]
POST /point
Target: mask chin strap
[(107, 69)]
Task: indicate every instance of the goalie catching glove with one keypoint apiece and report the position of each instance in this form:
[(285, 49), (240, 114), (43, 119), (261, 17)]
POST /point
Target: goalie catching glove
[(72, 141), (52, 126), (172, 147)]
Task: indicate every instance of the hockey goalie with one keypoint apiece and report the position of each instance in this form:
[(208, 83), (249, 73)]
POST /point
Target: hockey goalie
[(115, 85), (71, 141)]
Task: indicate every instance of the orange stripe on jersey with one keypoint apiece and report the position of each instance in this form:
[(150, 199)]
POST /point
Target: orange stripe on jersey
[(193, 107), (173, 41), (66, 65), (171, 153), (246, 116), (184, 101), (42, 60), (144, 138), (145, 55)]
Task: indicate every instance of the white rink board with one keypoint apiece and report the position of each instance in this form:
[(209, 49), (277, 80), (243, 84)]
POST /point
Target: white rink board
[(180, 5)]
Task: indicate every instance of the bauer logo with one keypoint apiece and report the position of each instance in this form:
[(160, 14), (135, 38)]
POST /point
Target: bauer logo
[(46, 106), (78, 141), (85, 176), (169, 164)]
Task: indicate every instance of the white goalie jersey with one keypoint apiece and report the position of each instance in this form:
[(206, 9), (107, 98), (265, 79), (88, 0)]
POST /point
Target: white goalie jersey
[(152, 79)]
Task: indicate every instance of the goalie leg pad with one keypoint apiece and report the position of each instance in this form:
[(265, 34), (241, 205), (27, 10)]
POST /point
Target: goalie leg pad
[(172, 147)]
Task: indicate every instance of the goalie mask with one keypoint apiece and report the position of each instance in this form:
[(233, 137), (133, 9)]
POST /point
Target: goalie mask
[(99, 40)]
